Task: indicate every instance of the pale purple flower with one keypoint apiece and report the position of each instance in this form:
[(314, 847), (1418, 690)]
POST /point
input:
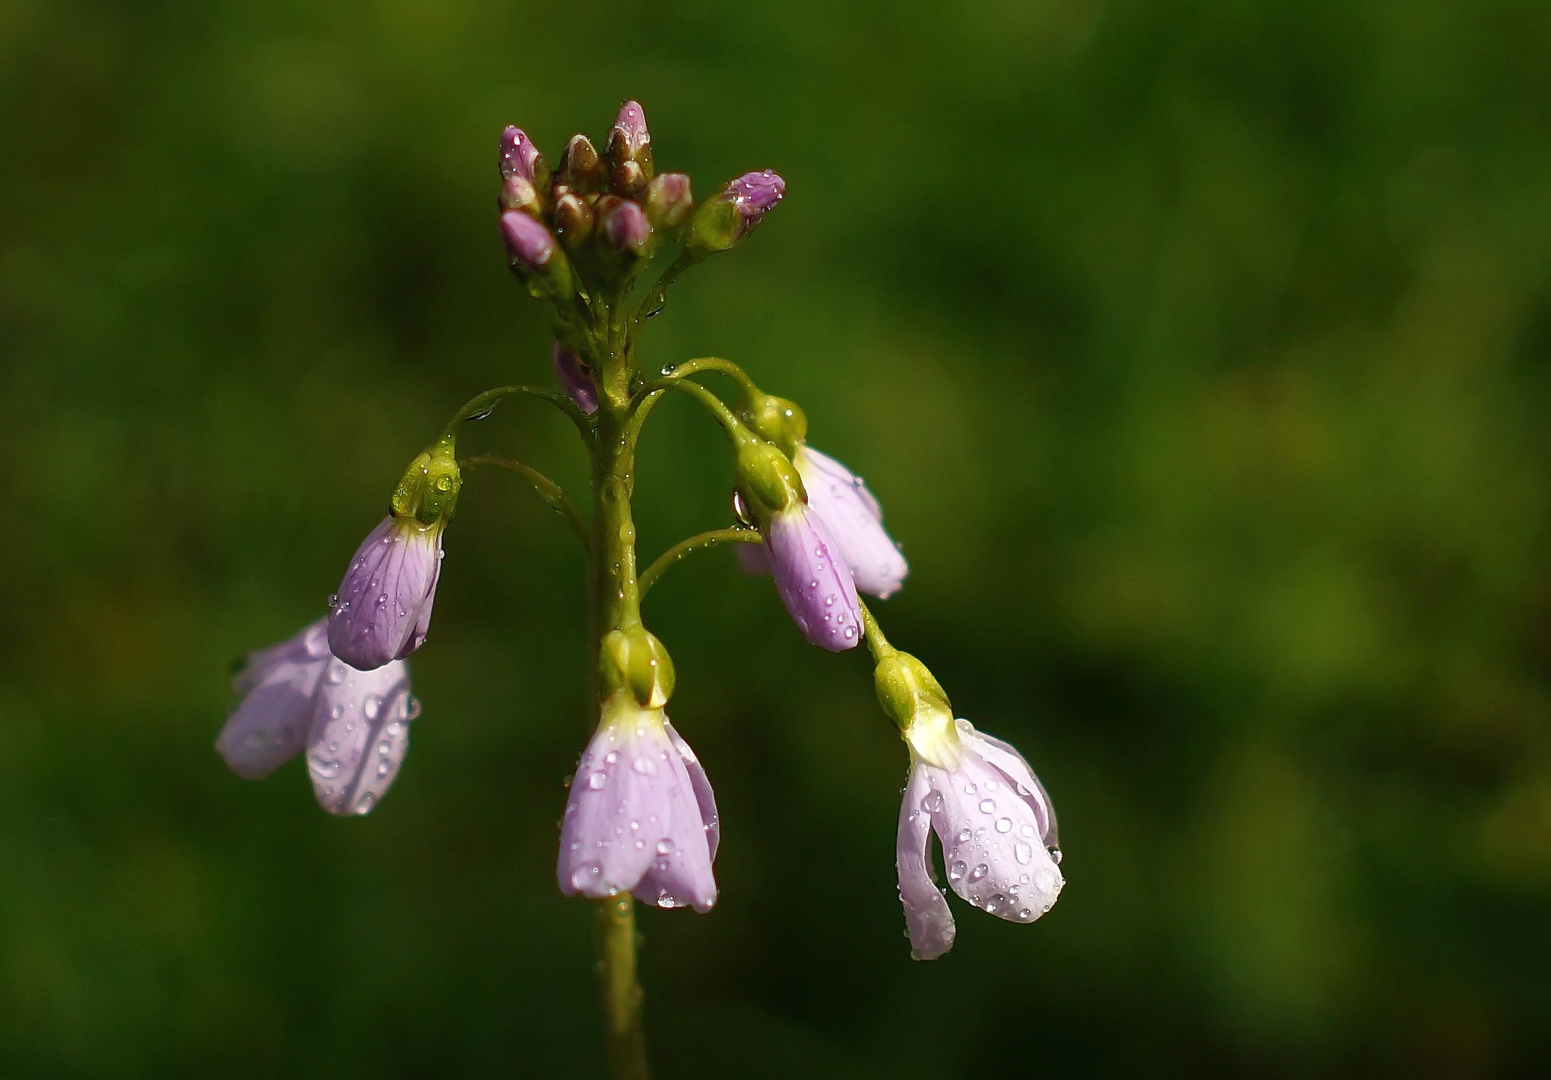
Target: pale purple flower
[(529, 245), (383, 607), (641, 817), (995, 824), (354, 723), (360, 734), (812, 578), (575, 378), (279, 688), (855, 519), (518, 155)]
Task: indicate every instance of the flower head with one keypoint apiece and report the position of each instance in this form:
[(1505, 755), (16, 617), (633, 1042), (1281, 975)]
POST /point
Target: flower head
[(354, 723), (641, 817)]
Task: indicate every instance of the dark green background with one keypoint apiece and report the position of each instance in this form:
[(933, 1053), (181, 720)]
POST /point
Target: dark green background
[(1198, 352)]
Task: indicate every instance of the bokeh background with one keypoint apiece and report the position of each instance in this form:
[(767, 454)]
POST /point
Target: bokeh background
[(1198, 351)]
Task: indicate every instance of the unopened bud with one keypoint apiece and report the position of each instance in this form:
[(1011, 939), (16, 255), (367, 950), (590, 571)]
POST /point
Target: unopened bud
[(908, 691), (767, 477), (575, 377), (580, 166), (519, 157), (626, 229), (532, 252), (517, 193), (629, 139), (777, 420), (668, 200), (736, 211), (573, 219)]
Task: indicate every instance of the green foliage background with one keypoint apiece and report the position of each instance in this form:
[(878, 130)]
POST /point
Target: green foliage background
[(1198, 352)]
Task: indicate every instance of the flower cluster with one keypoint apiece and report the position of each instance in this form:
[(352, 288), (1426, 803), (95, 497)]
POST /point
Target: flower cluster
[(640, 817)]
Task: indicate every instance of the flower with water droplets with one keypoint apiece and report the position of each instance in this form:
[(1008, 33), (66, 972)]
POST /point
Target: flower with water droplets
[(383, 608), (991, 815), (809, 568), (575, 378), (354, 723), (735, 211), (641, 817)]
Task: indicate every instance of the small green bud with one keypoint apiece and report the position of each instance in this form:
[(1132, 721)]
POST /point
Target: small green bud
[(767, 476), (428, 491), (716, 226), (907, 691), (777, 420), (636, 660)]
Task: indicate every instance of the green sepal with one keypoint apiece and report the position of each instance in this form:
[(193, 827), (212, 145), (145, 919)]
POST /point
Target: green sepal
[(775, 419), (716, 226), (907, 690), (636, 660), (767, 476), (428, 491)]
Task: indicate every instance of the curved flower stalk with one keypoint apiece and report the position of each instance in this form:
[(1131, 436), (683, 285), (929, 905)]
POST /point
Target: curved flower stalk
[(382, 610), (991, 815), (355, 724)]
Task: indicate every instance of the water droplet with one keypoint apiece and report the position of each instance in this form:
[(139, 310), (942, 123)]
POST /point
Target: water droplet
[(979, 872), (336, 712), (585, 875), (970, 789), (988, 806), (956, 871), (1023, 852), (1055, 854), (850, 632), (371, 706), (1025, 914), (385, 748), (1027, 830), (412, 709), (365, 805), (990, 785), (597, 780), (1004, 825), (665, 846), (1045, 880), (932, 803), (326, 770), (644, 766), (611, 757), (336, 673)]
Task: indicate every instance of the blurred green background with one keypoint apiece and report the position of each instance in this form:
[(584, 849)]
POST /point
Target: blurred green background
[(1198, 352)]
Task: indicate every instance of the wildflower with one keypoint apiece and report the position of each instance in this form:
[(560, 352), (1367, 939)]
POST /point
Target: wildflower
[(383, 607), (992, 817), (355, 724)]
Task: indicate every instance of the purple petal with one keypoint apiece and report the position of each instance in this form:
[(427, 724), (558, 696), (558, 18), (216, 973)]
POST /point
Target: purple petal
[(1011, 763), (518, 155), (633, 821), (575, 378), (928, 920), (992, 840), (705, 798), (383, 606), (855, 520), (626, 228), (529, 244), (360, 734), (812, 578), (269, 725), (630, 129), (756, 194)]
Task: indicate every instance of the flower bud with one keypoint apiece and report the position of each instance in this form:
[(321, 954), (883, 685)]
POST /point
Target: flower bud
[(636, 660), (580, 166), (519, 157), (767, 477), (625, 228), (573, 218), (575, 377), (776, 420), (736, 211), (906, 689), (668, 200), (532, 253), (518, 194), (630, 141)]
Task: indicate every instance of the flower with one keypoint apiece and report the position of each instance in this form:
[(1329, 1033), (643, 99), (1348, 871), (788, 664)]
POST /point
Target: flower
[(383, 607), (735, 211), (755, 194), (529, 245), (641, 816), (356, 724), (575, 378), (812, 578), (995, 824), (518, 156)]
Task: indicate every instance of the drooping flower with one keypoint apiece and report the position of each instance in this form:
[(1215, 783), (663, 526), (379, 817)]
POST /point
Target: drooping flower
[(575, 378), (991, 815), (810, 571), (812, 578), (383, 608), (355, 724), (641, 817)]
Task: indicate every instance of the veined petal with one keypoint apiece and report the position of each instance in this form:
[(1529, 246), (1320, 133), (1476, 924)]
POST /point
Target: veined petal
[(705, 798), (383, 607), (269, 725), (855, 519), (1025, 783), (992, 840), (681, 875), (812, 578), (633, 821), (360, 734), (928, 920)]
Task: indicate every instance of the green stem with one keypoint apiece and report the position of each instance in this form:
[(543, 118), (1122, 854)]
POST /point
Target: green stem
[(481, 405), (717, 364), (713, 404), (621, 990), (738, 535), (657, 295), (872, 633), (547, 490)]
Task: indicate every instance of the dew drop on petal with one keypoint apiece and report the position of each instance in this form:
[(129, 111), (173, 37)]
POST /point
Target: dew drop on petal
[(932, 803), (597, 780), (979, 872), (1055, 854), (1023, 852), (956, 871), (988, 806), (585, 875), (964, 835), (1004, 825), (665, 846)]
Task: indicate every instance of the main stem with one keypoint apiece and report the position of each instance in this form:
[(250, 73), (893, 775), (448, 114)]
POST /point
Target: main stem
[(616, 604)]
